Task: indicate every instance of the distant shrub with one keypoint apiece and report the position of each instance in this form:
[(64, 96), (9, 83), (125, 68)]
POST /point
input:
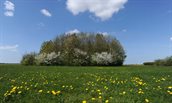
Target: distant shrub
[(148, 63), (29, 59), (164, 62)]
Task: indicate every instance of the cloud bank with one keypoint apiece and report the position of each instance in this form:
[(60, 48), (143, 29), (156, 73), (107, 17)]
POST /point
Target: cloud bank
[(103, 9), (45, 12), (9, 8), (9, 47)]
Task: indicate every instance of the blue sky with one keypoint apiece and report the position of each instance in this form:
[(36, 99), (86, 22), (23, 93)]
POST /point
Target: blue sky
[(144, 27)]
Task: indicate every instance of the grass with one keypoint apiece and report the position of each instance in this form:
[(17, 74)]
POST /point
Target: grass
[(127, 84)]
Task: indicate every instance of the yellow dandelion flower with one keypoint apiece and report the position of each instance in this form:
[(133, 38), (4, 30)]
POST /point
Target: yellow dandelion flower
[(84, 101), (40, 91), (170, 87), (147, 100), (19, 92), (107, 101), (53, 92), (14, 88), (58, 92), (123, 92), (170, 93)]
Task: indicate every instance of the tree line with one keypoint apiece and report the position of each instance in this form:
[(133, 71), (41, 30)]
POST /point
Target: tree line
[(78, 49)]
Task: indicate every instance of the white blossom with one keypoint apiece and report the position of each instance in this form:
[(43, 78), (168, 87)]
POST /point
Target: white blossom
[(103, 58)]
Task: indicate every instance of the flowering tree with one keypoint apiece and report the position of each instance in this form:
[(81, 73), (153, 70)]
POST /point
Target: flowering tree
[(47, 59), (103, 58)]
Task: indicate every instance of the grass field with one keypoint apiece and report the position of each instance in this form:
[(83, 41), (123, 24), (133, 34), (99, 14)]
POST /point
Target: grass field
[(128, 84)]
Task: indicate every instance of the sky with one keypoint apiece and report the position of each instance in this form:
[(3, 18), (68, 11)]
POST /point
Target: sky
[(143, 27)]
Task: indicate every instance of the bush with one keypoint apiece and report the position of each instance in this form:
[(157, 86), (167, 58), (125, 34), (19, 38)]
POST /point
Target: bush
[(29, 59), (148, 63)]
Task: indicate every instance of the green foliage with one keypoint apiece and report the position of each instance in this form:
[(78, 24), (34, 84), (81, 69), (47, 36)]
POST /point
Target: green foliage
[(164, 62), (47, 47), (29, 59)]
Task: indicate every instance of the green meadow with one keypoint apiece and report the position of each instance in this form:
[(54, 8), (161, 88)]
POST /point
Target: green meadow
[(62, 84)]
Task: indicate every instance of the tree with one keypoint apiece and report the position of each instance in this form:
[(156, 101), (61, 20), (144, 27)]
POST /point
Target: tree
[(29, 59), (100, 43), (47, 47), (118, 52)]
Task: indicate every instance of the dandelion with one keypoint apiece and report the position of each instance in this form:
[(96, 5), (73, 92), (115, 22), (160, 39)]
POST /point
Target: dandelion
[(40, 91), (107, 101), (163, 79), (53, 92), (170, 87), (58, 92), (14, 88), (123, 92), (19, 92), (84, 101), (169, 92), (147, 100)]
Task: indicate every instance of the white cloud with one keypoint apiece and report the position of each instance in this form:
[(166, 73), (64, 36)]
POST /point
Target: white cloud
[(9, 8), (9, 47), (104, 33), (73, 31), (9, 13), (45, 12), (171, 38), (103, 9), (9, 5)]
